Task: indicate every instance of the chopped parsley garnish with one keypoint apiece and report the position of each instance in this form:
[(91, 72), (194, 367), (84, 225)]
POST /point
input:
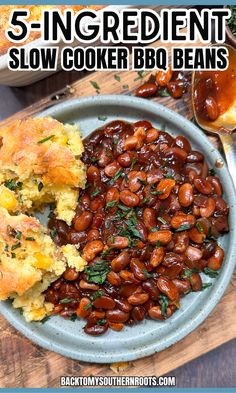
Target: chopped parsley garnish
[(161, 219), (73, 317), (18, 235), (111, 204), (102, 118), (95, 192), (183, 227), (212, 172), (147, 274), (115, 141), (97, 294), (199, 227), (45, 139), (95, 85), (125, 87), (141, 75), (117, 78), (116, 177), (112, 239), (206, 285), (134, 160), (13, 185), (30, 239), (163, 92), (210, 272), (15, 246), (94, 159), (40, 186), (158, 243), (157, 192), (66, 300), (188, 272), (168, 176), (107, 252), (53, 232), (13, 255), (101, 322), (97, 273), (44, 320), (164, 304), (6, 248)]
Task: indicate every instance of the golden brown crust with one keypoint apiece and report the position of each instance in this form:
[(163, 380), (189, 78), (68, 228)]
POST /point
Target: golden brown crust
[(23, 154)]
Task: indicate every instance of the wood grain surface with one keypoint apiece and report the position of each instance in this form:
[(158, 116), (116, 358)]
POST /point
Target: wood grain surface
[(24, 364)]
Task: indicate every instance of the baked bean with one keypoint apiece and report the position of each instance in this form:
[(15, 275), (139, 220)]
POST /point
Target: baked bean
[(52, 296), (209, 209), (195, 281), (82, 222), (181, 242), (164, 237), (155, 313), (135, 180), (193, 253), (152, 135), (114, 279), (138, 313), (104, 302), (196, 236), (176, 152), (183, 286), (117, 316), (92, 249), (138, 298), (185, 195), (111, 169), (95, 330), (215, 261), (212, 108), (175, 89), (86, 285), (129, 198), (208, 249), (166, 286), (93, 174), (149, 218), (112, 195), (183, 143), (123, 304), (118, 242), (128, 277), (125, 159), (195, 156), (154, 176), (146, 90), (138, 268), (70, 274), (203, 186), (104, 158), (182, 219), (164, 188), (116, 326), (157, 256), (216, 184), (121, 261), (151, 289), (93, 234), (163, 77), (83, 309)]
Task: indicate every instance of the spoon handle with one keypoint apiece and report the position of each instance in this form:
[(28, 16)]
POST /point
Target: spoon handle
[(229, 146)]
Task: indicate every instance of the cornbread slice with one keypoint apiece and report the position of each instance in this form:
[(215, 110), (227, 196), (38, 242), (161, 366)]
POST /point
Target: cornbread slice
[(30, 262), (40, 162)]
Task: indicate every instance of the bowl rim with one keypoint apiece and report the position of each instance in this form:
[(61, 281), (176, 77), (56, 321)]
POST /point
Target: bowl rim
[(220, 284)]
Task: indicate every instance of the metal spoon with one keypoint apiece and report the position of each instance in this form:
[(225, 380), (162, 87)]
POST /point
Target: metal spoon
[(225, 124)]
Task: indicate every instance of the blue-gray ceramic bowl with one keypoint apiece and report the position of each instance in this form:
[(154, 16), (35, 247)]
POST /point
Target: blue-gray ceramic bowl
[(67, 337)]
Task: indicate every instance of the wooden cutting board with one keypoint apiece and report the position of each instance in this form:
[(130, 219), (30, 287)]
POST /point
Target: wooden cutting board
[(24, 364)]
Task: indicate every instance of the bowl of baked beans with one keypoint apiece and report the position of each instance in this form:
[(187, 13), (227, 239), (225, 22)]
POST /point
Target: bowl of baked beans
[(155, 225)]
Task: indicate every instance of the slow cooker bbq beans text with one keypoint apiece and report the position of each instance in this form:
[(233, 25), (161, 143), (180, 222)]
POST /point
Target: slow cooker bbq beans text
[(147, 224)]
